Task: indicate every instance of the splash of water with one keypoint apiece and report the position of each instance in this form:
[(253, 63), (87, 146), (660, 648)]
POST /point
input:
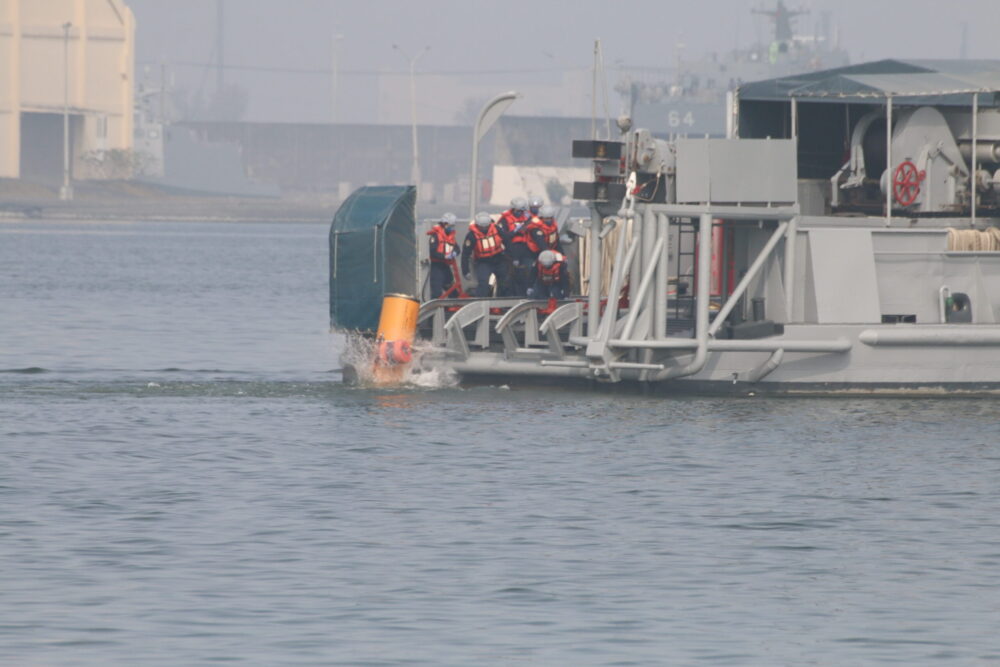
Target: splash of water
[(358, 359), (359, 355), (429, 377)]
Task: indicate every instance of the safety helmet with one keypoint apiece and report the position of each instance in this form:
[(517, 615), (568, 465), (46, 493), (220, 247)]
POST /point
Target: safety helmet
[(483, 220), (448, 219), (547, 212), (547, 258), (535, 204), (519, 203)]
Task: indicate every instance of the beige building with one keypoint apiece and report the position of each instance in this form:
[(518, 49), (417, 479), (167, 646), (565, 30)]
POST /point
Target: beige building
[(35, 83)]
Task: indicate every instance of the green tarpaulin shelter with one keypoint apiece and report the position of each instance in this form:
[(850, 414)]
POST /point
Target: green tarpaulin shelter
[(373, 252)]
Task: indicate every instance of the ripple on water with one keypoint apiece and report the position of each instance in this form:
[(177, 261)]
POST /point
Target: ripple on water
[(187, 481)]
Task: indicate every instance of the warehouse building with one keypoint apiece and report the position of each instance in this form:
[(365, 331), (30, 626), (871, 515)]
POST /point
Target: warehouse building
[(66, 56)]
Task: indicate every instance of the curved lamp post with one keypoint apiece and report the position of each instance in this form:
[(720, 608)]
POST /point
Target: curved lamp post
[(487, 116), (415, 168)]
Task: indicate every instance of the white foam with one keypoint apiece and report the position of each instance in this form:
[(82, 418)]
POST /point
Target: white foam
[(433, 378), (360, 354)]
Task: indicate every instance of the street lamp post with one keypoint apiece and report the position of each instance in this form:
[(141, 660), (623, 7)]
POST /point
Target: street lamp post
[(415, 168), (487, 116), (66, 192), (335, 68)]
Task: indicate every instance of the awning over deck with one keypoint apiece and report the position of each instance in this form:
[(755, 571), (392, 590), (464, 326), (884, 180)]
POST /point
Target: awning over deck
[(945, 82)]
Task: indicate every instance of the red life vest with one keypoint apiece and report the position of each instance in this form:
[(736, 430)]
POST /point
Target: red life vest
[(512, 221), (488, 243), (552, 274), (445, 242), (550, 232)]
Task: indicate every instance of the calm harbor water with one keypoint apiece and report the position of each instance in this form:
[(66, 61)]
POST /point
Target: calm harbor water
[(186, 481)]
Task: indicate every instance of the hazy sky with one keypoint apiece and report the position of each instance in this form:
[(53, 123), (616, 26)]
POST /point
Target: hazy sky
[(510, 40)]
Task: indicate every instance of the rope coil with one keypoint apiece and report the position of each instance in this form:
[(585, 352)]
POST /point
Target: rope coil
[(972, 240)]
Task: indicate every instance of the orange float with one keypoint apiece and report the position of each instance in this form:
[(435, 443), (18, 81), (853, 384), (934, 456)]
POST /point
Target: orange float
[(397, 326)]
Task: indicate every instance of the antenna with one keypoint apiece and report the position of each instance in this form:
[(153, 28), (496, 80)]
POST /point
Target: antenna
[(599, 68), (782, 17), (593, 92)]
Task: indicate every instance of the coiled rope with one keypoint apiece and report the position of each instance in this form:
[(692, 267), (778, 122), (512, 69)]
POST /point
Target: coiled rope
[(973, 240), (609, 249)]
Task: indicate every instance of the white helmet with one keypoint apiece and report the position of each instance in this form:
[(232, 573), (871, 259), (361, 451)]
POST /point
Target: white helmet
[(535, 204), (547, 258), (519, 203), (483, 220), (547, 212), (449, 219)]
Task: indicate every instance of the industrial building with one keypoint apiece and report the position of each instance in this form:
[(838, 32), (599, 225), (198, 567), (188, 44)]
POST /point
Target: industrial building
[(72, 57)]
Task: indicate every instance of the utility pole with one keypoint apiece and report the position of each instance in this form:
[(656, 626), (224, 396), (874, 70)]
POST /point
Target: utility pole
[(220, 46), (415, 168), (66, 192), (335, 68), (163, 93)]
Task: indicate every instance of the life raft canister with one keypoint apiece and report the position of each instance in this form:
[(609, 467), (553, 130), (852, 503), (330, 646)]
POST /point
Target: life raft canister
[(395, 352), (397, 327)]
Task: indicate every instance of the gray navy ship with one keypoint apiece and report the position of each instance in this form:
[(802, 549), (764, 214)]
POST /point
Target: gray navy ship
[(690, 98)]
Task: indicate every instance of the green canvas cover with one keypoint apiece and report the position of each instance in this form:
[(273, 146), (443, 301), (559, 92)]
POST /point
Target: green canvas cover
[(911, 82), (373, 252)]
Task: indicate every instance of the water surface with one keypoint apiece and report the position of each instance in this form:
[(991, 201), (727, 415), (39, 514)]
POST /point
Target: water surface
[(186, 481)]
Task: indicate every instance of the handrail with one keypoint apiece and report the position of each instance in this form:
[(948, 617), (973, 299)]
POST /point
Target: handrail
[(746, 345), (517, 313), (570, 313), (474, 312)]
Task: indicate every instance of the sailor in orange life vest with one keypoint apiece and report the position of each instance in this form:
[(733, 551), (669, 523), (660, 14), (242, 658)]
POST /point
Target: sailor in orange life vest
[(543, 233), (513, 229), (443, 249), (552, 280), (534, 207), (485, 244)]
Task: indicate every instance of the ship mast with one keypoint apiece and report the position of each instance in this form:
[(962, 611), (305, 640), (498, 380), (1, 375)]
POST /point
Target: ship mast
[(782, 17)]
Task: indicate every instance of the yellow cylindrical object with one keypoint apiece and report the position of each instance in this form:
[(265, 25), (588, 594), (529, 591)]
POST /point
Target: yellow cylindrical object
[(397, 326), (399, 318)]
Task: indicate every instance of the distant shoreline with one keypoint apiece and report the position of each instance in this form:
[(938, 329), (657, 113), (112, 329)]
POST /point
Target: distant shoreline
[(130, 201), (125, 214)]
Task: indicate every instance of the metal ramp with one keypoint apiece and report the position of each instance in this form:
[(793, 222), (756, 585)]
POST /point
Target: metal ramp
[(514, 328)]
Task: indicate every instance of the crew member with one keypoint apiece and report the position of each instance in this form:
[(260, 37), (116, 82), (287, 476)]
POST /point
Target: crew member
[(552, 276), (543, 233), (485, 244), (443, 251), (520, 260), (533, 207)]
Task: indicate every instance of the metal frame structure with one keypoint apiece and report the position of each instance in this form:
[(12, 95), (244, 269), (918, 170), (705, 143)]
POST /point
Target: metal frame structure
[(868, 345), (622, 345)]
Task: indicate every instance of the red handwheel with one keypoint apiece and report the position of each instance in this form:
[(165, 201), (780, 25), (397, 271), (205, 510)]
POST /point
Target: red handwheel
[(906, 183)]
